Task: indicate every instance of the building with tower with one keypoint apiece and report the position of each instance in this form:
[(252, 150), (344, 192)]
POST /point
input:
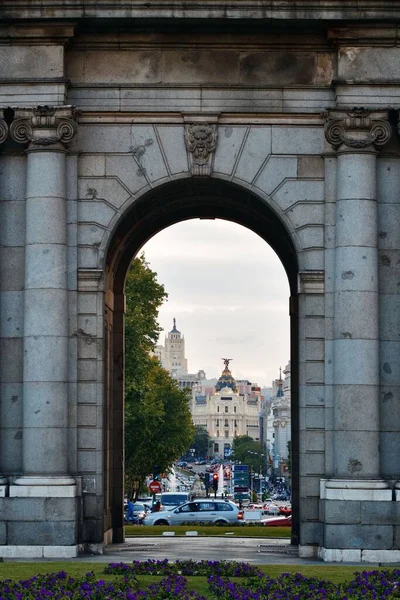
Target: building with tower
[(231, 410), (172, 358)]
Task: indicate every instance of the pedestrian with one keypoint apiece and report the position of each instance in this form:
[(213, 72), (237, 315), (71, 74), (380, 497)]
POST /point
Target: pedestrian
[(129, 513)]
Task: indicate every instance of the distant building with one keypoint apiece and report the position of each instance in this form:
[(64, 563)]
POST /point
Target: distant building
[(230, 410), (172, 358), (278, 422)]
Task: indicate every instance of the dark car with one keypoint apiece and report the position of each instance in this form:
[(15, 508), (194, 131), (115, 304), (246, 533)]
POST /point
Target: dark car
[(137, 515)]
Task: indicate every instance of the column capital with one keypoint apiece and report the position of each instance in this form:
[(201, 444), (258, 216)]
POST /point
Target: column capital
[(50, 127), (3, 128), (357, 129)]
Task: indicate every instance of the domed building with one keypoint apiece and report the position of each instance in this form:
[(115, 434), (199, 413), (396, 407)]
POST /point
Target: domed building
[(232, 410)]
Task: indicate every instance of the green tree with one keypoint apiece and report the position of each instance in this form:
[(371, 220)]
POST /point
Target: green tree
[(249, 452), (158, 423), (201, 440)]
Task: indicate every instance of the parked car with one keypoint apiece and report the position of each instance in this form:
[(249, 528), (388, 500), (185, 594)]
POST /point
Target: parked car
[(280, 521), (171, 500), (217, 512)]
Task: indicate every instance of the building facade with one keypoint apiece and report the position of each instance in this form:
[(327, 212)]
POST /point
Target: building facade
[(119, 119), (231, 410)]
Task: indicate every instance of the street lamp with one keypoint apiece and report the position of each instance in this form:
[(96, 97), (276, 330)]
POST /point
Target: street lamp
[(260, 469)]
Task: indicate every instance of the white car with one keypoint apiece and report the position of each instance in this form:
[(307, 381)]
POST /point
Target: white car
[(217, 512)]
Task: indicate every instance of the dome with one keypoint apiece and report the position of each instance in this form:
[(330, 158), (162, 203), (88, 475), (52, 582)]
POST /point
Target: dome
[(226, 380)]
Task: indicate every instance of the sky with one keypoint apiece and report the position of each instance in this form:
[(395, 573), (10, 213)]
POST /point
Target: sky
[(229, 294)]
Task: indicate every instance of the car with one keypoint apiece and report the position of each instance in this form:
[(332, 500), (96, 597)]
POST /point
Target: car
[(170, 500), (280, 521), (217, 512), (139, 511)]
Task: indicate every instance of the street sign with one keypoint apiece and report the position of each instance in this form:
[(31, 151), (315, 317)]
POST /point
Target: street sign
[(155, 487)]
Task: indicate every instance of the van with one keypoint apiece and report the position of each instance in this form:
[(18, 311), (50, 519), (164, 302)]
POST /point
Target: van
[(173, 499)]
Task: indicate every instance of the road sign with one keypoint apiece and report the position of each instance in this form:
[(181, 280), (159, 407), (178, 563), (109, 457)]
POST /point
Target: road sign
[(155, 487)]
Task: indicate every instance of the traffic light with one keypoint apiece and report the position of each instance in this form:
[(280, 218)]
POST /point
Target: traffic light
[(215, 479)]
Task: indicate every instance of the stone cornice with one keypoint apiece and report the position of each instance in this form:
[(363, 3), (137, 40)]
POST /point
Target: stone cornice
[(34, 34), (44, 126), (357, 129), (301, 10)]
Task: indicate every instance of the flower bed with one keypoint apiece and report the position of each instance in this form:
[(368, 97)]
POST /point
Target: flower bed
[(226, 581)]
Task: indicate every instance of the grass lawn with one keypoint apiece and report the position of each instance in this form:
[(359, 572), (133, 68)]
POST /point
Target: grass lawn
[(204, 530), (24, 570)]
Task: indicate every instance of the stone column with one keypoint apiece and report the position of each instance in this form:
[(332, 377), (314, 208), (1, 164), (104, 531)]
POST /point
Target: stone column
[(355, 136), (3, 480), (45, 390), (355, 496)]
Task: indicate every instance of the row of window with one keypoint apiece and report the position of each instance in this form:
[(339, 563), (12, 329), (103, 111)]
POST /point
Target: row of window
[(227, 409)]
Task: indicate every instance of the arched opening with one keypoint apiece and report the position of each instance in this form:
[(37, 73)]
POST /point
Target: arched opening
[(169, 204)]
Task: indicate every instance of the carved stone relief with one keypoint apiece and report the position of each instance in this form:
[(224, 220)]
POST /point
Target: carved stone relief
[(200, 141)]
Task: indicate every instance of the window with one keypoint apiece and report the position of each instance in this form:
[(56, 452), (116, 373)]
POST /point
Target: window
[(226, 409), (217, 434), (235, 423), (217, 422), (217, 408), (226, 423), (224, 506), (226, 433), (216, 447), (234, 409)]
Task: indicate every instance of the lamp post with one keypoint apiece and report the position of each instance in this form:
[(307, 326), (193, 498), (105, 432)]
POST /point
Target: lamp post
[(260, 469)]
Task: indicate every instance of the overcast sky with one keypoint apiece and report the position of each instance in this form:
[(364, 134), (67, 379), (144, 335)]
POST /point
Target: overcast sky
[(229, 294)]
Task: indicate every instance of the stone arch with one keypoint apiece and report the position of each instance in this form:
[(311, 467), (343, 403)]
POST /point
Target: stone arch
[(172, 202)]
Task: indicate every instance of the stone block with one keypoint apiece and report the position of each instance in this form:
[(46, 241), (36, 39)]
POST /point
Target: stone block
[(13, 180), (108, 189), (87, 370), (92, 531), (355, 362), (309, 509), (203, 66), (389, 226), (87, 415), (368, 64), (105, 138), (356, 181), (45, 359), (314, 327), (389, 271), (12, 268), (356, 268), (147, 153), (390, 451), (63, 509), (348, 213), (314, 441), (311, 533), (337, 555), (87, 392), (274, 173), (12, 223), (342, 512), (360, 413), (93, 507), (389, 311), (310, 167), (11, 314), (297, 140), (356, 315), (310, 236), (365, 537), (18, 551), (384, 513), (92, 165), (19, 62), (60, 551), (389, 363), (230, 140), (3, 533), (11, 363), (46, 266), (48, 322), (314, 463), (397, 537), (173, 144), (356, 453), (18, 509), (256, 149), (387, 176), (314, 371), (87, 438), (380, 556), (44, 533), (97, 213)]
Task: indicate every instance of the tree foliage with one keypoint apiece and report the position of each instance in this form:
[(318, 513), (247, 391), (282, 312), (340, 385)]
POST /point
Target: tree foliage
[(158, 423), (249, 452), (201, 440)]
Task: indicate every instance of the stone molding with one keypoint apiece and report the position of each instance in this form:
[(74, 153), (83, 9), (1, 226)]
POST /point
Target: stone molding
[(3, 128), (44, 127), (358, 129), (355, 489), (39, 551), (89, 279), (311, 282), (200, 142)]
